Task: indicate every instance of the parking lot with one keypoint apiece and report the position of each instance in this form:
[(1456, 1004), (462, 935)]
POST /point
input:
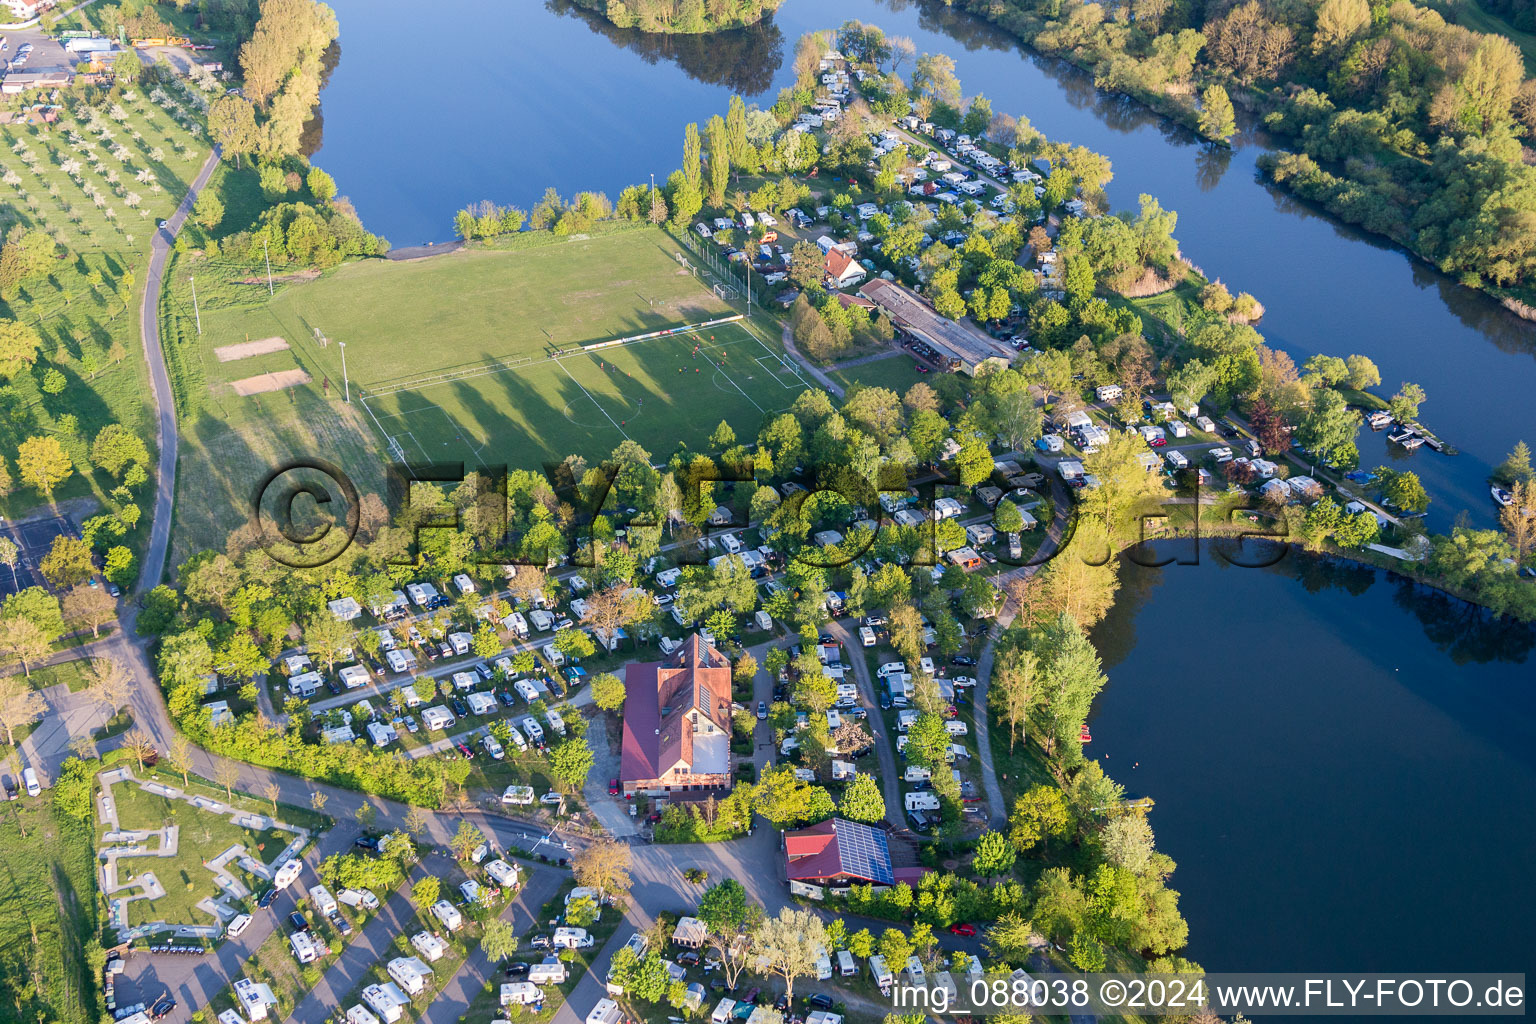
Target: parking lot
[(47, 53), (33, 539)]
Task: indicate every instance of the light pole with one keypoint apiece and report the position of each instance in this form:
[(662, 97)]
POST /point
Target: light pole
[(346, 385), (268, 257), (195, 313)]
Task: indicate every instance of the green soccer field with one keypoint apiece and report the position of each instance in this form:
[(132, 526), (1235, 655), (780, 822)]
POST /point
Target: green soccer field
[(657, 392)]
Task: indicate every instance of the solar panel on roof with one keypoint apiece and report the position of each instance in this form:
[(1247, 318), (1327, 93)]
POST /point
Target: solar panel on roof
[(863, 852)]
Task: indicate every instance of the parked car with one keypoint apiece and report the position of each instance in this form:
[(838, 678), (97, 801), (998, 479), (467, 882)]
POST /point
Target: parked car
[(516, 970), (539, 942), (613, 787), (266, 898), (762, 711), (297, 920), (963, 659), (689, 959), (962, 928), (341, 924), (164, 1005), (821, 1001)]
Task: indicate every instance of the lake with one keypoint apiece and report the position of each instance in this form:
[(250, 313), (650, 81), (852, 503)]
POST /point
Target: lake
[(1344, 765), (1344, 773)]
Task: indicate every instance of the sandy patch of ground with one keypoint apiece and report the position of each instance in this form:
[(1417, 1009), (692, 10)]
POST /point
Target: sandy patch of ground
[(247, 349), (269, 382)]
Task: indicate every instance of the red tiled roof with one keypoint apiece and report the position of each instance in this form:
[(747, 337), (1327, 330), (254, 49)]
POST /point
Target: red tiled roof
[(838, 263), (658, 733)]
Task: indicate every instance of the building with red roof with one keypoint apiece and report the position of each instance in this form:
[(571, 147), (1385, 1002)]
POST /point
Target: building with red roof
[(677, 722), (837, 851)]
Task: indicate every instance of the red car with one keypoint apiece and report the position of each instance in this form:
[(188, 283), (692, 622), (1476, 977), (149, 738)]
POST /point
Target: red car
[(613, 787), (968, 930)]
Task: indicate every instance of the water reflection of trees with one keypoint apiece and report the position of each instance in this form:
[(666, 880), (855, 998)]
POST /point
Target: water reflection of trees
[(1465, 632), (743, 60), (313, 135)]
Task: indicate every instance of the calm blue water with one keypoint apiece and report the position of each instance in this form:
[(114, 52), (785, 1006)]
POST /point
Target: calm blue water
[(1344, 775)]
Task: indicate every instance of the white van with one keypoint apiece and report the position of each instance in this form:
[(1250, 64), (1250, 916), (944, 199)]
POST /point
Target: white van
[(238, 925), (823, 964), (866, 636), (29, 780), (846, 967)]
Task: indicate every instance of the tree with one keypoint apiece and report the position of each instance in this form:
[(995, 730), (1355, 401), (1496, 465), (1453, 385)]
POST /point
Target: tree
[(271, 792), (44, 464), (730, 919), (180, 756), (10, 554), (1014, 679), (789, 945), (208, 211), (226, 773), (18, 346), (1218, 121), (863, 801), (232, 125), (1040, 813), (607, 691), (1404, 405), (68, 562), (1402, 489), (111, 686), (321, 185), (426, 891), (139, 744), (465, 839), (1329, 427), (603, 865), (719, 159), (1517, 466), (994, 856), (570, 762), (1518, 518), (25, 642), (20, 705), (1362, 371), (498, 941), (90, 606)]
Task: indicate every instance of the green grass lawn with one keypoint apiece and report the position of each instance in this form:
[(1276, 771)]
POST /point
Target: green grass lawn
[(73, 674), (202, 837), (48, 915), (469, 313), (896, 373)]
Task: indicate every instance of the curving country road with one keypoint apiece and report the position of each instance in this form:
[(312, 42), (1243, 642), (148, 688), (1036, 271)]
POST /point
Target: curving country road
[(166, 436)]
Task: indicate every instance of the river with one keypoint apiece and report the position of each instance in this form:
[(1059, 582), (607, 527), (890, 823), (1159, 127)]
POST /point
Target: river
[(1339, 791)]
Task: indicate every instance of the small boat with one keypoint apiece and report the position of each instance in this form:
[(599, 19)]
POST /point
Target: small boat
[(1407, 438), (1378, 420), (1084, 736), (1360, 476), (1501, 496)]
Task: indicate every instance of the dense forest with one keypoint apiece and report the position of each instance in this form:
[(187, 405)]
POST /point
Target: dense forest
[(1404, 123), (682, 16)]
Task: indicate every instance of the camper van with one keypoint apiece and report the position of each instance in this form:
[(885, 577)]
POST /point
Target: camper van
[(823, 964), (516, 737), (846, 967), (550, 972), (533, 730), (555, 722), (879, 973), (921, 801), (519, 796), (915, 774), (572, 938)]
